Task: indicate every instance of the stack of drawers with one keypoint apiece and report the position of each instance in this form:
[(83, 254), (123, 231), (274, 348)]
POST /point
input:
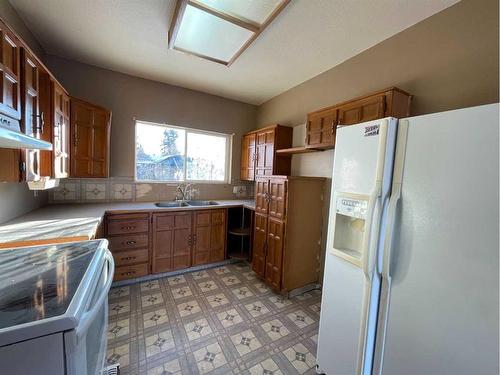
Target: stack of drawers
[(128, 236)]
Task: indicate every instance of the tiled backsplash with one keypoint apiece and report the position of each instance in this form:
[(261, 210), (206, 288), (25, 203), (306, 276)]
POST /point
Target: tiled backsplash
[(126, 189)]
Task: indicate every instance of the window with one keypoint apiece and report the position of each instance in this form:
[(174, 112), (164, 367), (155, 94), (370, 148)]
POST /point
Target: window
[(167, 153)]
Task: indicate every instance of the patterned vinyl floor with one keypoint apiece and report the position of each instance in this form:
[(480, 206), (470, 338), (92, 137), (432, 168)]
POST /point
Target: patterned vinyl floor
[(218, 321)]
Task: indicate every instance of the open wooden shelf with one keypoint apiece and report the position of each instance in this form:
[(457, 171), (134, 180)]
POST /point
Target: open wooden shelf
[(239, 256), (297, 150), (240, 231)]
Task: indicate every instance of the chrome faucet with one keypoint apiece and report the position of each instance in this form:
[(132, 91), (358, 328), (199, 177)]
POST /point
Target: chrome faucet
[(184, 192)]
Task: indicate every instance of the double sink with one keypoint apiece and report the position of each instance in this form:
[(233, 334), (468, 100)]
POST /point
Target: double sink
[(175, 204)]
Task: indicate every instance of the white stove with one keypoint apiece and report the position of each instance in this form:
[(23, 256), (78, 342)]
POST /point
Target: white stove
[(54, 308)]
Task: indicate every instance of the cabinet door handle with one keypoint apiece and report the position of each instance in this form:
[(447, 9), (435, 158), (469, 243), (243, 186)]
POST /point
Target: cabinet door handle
[(128, 273), (39, 122), (128, 227), (131, 242), (129, 258)]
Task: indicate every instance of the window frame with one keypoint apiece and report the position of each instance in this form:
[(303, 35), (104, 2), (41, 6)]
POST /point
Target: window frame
[(227, 164)]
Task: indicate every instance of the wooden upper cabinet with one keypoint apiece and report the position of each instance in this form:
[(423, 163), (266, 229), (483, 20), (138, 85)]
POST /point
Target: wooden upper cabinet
[(90, 132), (248, 156), (321, 125), (61, 125), (362, 110), (55, 109), (30, 94), (31, 119), (321, 128), (10, 99), (258, 155), (10, 94), (265, 152)]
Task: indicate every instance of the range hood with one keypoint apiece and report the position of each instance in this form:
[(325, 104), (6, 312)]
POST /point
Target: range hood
[(11, 136)]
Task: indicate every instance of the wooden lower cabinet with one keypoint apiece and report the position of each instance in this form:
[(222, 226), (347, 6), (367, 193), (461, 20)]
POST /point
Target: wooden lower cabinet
[(259, 245), (131, 272), (201, 239), (209, 236), (274, 253), (188, 238), (128, 237), (157, 242), (172, 241), (287, 231), (218, 235)]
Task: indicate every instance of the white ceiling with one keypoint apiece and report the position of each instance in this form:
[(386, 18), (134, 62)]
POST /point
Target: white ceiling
[(307, 38)]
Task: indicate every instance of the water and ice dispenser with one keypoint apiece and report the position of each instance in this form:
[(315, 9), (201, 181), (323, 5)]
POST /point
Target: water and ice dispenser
[(350, 225)]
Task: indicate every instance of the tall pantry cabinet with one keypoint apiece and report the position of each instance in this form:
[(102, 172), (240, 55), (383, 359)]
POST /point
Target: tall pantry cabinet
[(287, 230)]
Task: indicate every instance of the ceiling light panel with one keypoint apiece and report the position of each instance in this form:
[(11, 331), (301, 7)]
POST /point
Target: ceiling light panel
[(220, 30), (204, 34), (253, 11)]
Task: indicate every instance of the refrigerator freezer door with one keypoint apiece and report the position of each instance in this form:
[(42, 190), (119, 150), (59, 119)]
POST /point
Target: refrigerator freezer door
[(440, 296), (361, 183), (341, 316)]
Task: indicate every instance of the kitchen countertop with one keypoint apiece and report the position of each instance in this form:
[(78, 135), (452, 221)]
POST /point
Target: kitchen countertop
[(76, 222)]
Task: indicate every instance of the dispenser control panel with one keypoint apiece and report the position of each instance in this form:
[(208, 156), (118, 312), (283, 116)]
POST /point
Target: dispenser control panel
[(352, 207)]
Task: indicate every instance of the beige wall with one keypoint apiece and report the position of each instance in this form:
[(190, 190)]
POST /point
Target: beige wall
[(15, 198), (130, 97), (447, 61)]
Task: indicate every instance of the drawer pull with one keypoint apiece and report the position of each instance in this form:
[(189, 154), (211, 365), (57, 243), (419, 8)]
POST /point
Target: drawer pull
[(128, 227), (129, 258), (130, 242), (128, 273)]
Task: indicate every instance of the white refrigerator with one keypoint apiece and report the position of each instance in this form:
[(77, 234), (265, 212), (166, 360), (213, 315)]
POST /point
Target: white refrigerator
[(411, 276)]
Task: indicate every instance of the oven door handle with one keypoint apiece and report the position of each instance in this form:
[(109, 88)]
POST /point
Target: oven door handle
[(88, 316)]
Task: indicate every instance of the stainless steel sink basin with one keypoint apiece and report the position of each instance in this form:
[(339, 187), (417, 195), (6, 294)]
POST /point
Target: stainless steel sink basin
[(202, 203), (171, 204)]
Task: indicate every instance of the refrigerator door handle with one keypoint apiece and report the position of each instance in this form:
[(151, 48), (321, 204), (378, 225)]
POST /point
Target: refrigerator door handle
[(389, 233), (370, 243)]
